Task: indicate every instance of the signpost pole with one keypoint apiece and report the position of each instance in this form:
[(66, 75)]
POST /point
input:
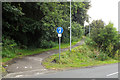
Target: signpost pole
[(59, 47), (59, 31)]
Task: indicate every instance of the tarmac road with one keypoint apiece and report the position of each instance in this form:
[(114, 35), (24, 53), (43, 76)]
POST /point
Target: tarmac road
[(105, 71), (30, 67)]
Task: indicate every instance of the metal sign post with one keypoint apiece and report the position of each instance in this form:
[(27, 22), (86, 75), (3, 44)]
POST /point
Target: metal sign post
[(59, 31), (59, 47), (59, 35)]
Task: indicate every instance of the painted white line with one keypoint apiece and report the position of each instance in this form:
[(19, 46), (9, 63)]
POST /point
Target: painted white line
[(112, 74), (18, 76), (40, 59), (38, 73), (31, 67), (25, 67), (44, 69)]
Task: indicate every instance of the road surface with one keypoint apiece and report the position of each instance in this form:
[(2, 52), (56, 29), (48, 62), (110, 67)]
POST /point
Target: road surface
[(105, 71), (30, 65)]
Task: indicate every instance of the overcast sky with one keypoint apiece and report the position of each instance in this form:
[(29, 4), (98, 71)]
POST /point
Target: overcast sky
[(107, 10)]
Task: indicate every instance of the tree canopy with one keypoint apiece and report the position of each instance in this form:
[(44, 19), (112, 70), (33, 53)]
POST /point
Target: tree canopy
[(35, 23)]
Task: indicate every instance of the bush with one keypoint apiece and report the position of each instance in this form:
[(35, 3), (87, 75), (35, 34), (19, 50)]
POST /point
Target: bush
[(94, 56), (74, 39), (117, 55), (8, 49), (90, 42), (106, 38), (47, 44), (77, 30), (66, 40), (102, 56)]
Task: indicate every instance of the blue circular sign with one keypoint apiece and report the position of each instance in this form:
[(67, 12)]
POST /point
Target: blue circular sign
[(59, 30)]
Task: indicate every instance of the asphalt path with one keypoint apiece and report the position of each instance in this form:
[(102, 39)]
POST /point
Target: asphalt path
[(105, 71), (32, 65)]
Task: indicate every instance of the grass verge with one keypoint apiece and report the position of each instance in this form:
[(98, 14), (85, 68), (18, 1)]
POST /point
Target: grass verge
[(25, 52), (81, 56)]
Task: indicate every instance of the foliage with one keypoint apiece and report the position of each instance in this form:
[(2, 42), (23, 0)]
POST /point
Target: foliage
[(8, 49), (79, 11), (21, 52), (46, 44), (28, 25), (102, 56), (79, 57), (77, 30), (95, 26), (31, 23), (106, 38), (90, 42)]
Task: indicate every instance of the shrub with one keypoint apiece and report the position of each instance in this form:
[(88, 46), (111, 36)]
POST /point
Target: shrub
[(94, 56), (74, 39), (47, 44), (102, 56), (8, 49), (117, 55), (106, 39), (90, 42)]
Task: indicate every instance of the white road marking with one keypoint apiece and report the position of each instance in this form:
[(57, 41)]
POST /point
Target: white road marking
[(38, 73), (112, 74), (18, 76), (40, 59), (17, 67), (31, 67), (25, 67), (44, 69)]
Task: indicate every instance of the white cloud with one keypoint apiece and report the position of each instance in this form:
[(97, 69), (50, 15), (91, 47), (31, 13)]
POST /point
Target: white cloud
[(107, 10)]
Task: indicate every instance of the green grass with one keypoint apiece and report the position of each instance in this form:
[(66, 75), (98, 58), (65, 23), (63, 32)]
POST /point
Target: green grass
[(2, 69), (25, 52), (79, 57)]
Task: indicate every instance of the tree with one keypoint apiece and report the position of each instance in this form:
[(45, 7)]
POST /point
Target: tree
[(106, 38), (31, 24)]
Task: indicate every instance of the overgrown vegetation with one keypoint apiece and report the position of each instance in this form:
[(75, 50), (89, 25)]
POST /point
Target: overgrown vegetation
[(102, 47), (81, 56), (29, 27), (105, 37), (33, 25), (16, 52)]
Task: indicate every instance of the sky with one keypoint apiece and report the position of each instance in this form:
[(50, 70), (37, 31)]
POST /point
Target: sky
[(107, 10)]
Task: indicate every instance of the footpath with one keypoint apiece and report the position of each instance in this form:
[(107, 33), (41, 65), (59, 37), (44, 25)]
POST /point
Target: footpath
[(32, 65)]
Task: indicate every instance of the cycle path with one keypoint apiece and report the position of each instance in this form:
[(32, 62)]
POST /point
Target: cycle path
[(32, 65)]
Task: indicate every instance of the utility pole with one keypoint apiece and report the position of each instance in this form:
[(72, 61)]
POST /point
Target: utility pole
[(70, 26), (89, 25), (89, 30)]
